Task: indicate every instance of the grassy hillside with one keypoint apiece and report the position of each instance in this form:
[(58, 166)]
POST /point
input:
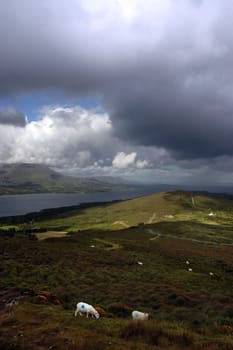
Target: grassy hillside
[(174, 206), (34, 178), (191, 310), (121, 269)]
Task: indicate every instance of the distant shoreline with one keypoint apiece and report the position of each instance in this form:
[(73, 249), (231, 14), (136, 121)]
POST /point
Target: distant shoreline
[(22, 204), (34, 206), (50, 212)]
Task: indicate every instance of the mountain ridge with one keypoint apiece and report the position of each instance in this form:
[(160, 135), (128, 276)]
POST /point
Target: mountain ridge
[(22, 178)]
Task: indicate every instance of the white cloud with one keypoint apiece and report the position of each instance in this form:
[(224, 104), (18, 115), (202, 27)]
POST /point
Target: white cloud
[(142, 164), (68, 137), (62, 136), (123, 160), (162, 68), (125, 10), (79, 141)]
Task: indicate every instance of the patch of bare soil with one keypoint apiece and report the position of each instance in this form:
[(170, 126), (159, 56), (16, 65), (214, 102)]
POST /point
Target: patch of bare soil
[(123, 223)]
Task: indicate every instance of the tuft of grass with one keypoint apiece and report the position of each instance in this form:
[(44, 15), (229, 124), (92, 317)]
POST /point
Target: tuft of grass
[(158, 333)]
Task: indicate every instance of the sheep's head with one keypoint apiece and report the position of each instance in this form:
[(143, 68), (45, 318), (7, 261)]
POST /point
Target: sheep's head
[(97, 315)]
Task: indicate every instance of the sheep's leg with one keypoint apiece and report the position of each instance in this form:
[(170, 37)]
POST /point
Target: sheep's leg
[(80, 313), (87, 314), (77, 312)]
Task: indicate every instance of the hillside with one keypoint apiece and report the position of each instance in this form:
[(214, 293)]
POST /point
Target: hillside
[(34, 178), (173, 207), (174, 261)]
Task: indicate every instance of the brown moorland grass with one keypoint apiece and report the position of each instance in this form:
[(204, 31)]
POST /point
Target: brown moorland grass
[(31, 326), (188, 310), (183, 309)]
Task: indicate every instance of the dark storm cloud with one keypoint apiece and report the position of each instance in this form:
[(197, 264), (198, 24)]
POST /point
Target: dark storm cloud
[(163, 69), (189, 121), (10, 116)]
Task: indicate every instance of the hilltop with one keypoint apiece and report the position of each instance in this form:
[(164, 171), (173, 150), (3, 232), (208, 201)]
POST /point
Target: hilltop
[(36, 178)]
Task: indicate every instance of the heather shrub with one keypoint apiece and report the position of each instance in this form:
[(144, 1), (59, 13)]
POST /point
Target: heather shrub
[(120, 310), (157, 334)]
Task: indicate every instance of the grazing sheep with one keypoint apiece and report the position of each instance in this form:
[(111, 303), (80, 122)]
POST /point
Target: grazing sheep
[(187, 262), (12, 303), (84, 308), (101, 311), (140, 316), (140, 263), (190, 270)]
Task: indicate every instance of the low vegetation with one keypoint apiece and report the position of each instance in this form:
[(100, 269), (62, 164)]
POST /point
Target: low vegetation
[(143, 267)]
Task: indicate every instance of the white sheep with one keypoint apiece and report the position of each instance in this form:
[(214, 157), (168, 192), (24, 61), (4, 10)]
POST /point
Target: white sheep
[(190, 270), (11, 303), (84, 308), (140, 316)]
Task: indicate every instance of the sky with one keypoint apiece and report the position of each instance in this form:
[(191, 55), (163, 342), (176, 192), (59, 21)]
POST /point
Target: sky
[(131, 88)]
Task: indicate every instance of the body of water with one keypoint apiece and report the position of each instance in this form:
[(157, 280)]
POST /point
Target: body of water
[(12, 205)]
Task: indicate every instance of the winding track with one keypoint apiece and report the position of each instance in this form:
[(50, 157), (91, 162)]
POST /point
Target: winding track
[(157, 235)]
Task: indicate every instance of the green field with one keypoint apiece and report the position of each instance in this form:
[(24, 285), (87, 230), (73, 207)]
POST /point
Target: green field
[(174, 206), (98, 262)]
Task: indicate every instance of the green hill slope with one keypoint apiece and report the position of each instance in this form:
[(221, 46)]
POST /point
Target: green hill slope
[(173, 206), (174, 214)]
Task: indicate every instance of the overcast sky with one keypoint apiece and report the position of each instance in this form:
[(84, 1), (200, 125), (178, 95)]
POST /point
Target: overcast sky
[(119, 87)]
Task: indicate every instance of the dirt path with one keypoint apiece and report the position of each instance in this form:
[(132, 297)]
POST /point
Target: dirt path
[(151, 219), (121, 222), (107, 245), (157, 235), (50, 234), (154, 233)]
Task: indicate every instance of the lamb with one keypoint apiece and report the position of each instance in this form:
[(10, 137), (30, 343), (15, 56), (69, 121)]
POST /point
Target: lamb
[(84, 308), (140, 316)]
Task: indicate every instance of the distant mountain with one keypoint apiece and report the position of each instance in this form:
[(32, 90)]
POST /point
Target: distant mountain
[(115, 180), (35, 178)]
